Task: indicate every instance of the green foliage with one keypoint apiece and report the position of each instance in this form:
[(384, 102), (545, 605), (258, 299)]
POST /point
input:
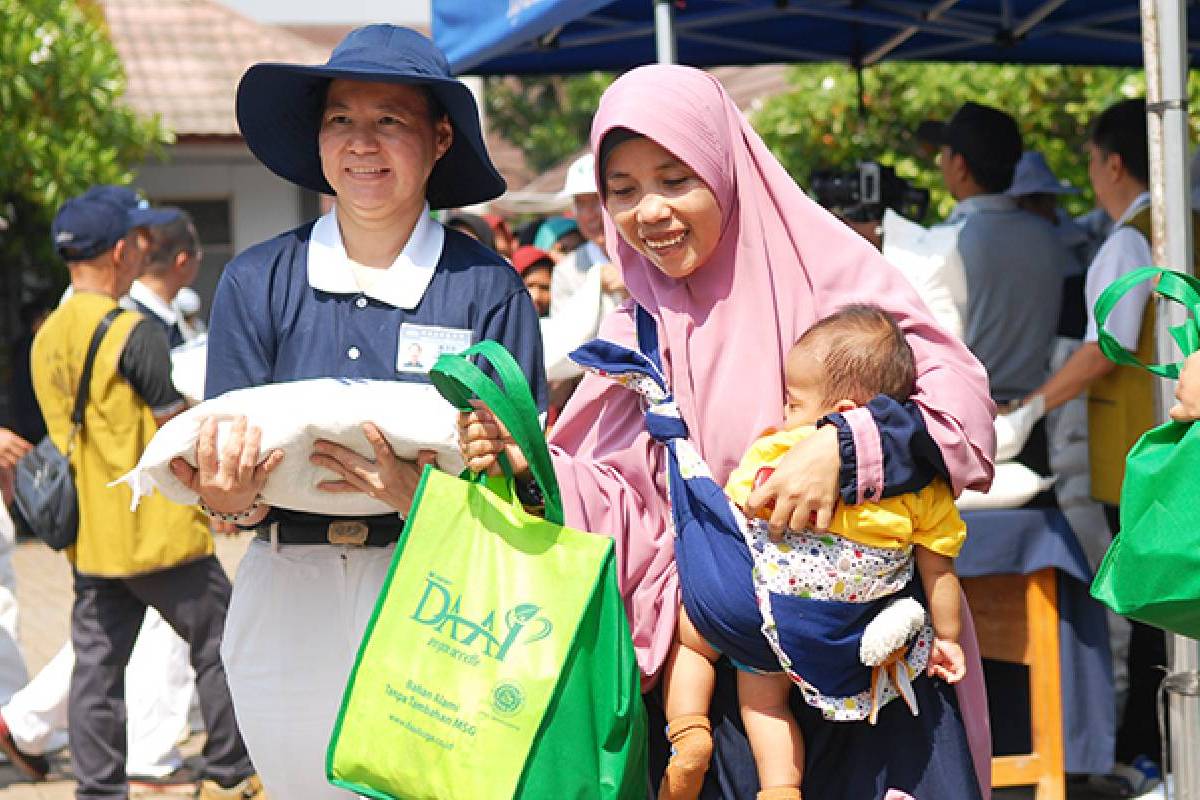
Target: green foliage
[(61, 118), (547, 118), (817, 124)]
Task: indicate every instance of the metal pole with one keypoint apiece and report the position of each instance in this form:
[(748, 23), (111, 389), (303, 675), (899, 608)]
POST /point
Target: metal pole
[(1164, 27), (664, 31)]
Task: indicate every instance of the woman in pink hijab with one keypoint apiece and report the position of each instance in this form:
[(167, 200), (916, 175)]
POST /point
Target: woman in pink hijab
[(729, 286)]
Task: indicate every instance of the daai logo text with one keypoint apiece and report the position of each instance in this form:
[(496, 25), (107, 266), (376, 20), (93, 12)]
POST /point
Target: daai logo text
[(440, 608)]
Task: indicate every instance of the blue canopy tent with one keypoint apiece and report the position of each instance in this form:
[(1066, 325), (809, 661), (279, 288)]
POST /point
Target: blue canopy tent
[(492, 37)]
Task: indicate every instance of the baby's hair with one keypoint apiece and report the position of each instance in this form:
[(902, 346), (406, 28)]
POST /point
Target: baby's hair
[(864, 353)]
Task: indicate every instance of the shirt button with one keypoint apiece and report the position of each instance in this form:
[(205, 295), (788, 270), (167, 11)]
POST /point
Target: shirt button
[(354, 353), (361, 302)]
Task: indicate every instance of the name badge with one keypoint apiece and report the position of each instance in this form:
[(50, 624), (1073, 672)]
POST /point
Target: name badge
[(420, 345)]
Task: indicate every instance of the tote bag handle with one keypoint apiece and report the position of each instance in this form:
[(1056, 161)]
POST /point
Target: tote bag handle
[(1177, 286), (459, 380)]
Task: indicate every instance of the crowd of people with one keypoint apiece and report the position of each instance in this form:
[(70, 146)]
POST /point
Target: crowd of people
[(801, 370)]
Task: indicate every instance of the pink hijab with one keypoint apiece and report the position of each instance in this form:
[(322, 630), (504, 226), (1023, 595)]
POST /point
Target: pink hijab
[(782, 263)]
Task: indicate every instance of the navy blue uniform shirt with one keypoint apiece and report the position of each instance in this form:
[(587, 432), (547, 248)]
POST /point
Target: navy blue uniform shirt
[(276, 317)]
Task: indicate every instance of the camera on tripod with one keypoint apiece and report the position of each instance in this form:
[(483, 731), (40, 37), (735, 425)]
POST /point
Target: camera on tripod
[(862, 194)]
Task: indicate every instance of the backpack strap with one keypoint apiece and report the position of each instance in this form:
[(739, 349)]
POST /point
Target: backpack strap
[(85, 379)]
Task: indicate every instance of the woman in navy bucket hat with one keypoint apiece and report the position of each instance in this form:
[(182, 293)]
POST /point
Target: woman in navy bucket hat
[(386, 129), (279, 110)]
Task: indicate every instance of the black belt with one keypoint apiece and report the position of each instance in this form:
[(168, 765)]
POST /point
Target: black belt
[(354, 532)]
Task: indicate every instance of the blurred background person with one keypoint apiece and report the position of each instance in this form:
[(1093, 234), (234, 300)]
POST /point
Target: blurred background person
[(172, 263), (558, 236), (1012, 261), (501, 234), (535, 266), (474, 226)]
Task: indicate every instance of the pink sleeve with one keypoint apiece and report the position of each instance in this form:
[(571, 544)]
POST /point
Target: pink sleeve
[(612, 479)]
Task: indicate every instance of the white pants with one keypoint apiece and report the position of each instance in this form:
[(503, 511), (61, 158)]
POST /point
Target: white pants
[(159, 686), (292, 633), (13, 674)]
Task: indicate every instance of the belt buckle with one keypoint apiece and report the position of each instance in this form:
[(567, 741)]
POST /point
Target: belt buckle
[(349, 532)]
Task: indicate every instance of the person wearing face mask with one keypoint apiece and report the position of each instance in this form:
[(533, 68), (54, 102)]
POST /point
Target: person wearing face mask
[(727, 263), (374, 289)]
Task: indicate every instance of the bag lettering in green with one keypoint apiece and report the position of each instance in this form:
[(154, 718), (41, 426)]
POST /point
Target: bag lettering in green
[(498, 662)]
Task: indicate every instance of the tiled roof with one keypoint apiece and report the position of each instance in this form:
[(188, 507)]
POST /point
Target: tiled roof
[(183, 59)]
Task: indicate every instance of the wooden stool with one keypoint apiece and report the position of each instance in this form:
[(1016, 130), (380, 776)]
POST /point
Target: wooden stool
[(1016, 620)]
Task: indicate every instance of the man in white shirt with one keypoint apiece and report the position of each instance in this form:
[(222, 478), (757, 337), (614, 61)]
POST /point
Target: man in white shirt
[(584, 287), (571, 273), (171, 264), (1118, 167)]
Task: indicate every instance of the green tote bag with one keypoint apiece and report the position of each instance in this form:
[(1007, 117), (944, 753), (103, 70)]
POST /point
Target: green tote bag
[(1151, 571), (498, 662)]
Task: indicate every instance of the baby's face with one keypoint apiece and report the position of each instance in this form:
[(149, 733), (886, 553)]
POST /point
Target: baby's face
[(804, 377)]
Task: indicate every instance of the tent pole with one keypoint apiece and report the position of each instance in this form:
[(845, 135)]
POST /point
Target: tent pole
[(664, 31), (1164, 28)]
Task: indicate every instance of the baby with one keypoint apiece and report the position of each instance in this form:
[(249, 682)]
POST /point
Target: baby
[(837, 608)]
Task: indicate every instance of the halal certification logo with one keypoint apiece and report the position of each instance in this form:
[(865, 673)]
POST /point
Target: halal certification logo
[(507, 699)]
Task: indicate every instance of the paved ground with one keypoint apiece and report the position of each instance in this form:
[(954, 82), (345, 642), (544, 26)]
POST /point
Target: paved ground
[(44, 593), (43, 590)]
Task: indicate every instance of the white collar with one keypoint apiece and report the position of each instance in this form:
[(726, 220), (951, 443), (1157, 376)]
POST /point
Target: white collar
[(1139, 203), (146, 296), (404, 283)]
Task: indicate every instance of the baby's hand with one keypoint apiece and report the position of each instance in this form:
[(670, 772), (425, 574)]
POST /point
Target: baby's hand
[(947, 661)]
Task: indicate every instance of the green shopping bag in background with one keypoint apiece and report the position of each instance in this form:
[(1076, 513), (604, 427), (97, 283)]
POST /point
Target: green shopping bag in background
[(1151, 572), (498, 662)]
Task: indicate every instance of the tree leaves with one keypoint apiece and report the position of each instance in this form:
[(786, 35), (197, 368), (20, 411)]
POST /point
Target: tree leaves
[(61, 118), (548, 118), (816, 124)]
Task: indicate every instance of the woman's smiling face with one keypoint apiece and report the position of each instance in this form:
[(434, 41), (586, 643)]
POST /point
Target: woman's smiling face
[(661, 207)]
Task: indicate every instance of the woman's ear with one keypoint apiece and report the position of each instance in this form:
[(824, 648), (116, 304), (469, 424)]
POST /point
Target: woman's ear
[(443, 137)]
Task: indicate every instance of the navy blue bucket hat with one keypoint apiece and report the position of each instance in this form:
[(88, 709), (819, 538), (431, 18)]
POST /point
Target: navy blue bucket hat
[(279, 109)]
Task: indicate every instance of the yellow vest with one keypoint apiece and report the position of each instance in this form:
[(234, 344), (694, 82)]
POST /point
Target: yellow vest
[(113, 541), (1121, 405)]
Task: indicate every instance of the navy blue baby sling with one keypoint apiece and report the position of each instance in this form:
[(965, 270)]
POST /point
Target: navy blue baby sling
[(715, 566), (757, 629)]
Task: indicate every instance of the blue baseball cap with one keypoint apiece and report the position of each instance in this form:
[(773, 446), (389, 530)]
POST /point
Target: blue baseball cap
[(92, 223)]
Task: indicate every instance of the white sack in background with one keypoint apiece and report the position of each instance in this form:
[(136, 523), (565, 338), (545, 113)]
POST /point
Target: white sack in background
[(188, 363), (1014, 485), (929, 259), (292, 416)]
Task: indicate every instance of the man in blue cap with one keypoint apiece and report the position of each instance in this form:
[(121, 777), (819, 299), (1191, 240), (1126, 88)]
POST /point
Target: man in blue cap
[(159, 555), (386, 129)]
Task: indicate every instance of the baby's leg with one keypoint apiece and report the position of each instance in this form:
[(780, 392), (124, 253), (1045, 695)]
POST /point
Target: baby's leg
[(688, 687), (773, 733)]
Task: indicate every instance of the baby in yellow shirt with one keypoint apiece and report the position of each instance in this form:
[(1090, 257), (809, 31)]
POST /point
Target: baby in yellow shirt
[(837, 608)]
